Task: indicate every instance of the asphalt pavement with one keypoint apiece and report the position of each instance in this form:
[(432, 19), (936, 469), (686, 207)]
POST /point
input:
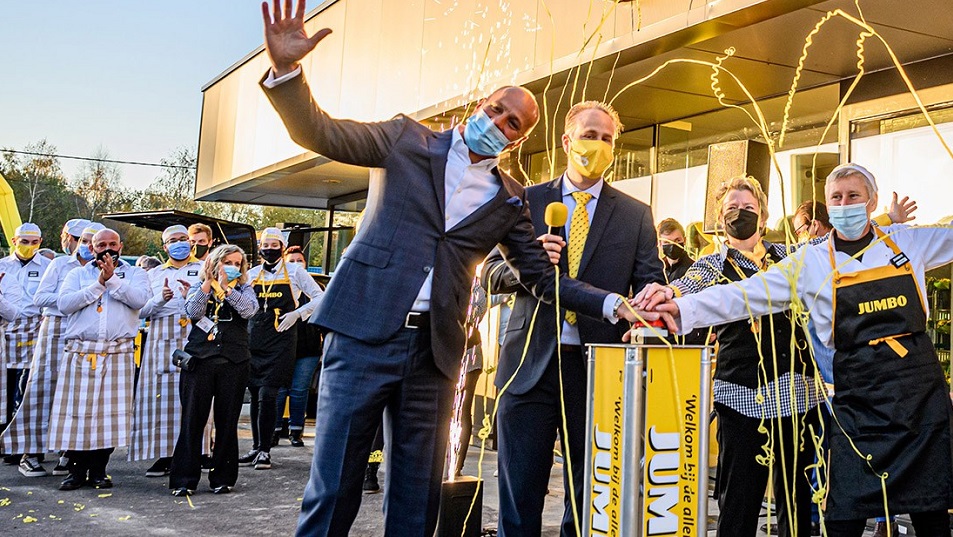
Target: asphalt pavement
[(264, 502)]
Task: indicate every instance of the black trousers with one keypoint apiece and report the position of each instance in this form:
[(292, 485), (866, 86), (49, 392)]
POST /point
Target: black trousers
[(223, 382), (931, 524), (742, 480), (264, 415), (92, 463), (527, 424)]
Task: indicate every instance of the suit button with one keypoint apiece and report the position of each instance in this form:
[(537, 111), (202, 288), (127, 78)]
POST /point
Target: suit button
[(427, 268)]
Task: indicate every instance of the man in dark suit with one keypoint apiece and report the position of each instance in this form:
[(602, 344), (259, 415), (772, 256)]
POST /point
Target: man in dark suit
[(396, 307), (611, 245)]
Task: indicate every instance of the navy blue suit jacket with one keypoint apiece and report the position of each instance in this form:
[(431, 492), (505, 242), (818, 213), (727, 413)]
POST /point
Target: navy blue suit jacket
[(403, 237), (620, 255)]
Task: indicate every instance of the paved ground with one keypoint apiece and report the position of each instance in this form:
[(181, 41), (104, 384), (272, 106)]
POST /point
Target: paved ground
[(264, 502)]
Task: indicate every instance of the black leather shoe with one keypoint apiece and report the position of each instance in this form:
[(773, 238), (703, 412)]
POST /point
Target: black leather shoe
[(182, 491), (100, 482), (73, 482), (295, 438), (222, 489)]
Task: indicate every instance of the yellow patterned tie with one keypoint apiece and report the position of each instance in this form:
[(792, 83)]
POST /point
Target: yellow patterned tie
[(578, 231)]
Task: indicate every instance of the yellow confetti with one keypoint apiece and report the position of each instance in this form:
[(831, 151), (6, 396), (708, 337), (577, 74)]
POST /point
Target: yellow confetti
[(78, 507), (106, 495), (29, 493), (299, 499), (28, 520), (4, 502), (31, 511), (60, 502), (4, 488), (93, 514), (189, 498), (124, 518)]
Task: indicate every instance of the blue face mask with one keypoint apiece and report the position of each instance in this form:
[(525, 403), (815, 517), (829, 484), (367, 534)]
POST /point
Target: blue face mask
[(483, 137), (180, 250), (85, 253), (232, 273), (849, 220)]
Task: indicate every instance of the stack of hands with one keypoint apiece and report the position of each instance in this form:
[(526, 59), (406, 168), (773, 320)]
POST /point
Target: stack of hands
[(652, 303)]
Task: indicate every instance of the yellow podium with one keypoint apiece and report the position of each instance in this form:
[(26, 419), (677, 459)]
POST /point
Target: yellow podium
[(647, 440)]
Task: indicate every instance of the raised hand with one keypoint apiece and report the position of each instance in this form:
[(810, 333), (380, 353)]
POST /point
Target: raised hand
[(901, 211), (285, 38), (107, 267), (166, 291), (184, 287)]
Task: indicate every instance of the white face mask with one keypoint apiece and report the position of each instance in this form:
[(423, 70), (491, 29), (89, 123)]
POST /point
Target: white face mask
[(849, 220)]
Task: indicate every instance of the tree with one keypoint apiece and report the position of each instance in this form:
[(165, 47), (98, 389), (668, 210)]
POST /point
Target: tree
[(99, 187), (42, 194)]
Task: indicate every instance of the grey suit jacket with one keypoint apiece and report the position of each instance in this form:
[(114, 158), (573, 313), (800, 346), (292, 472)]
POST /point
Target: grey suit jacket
[(403, 236)]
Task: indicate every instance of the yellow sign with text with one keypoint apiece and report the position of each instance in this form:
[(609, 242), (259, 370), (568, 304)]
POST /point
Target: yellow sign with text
[(605, 486), (672, 421)]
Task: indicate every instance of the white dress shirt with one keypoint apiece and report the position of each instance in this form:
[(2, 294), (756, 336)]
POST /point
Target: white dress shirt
[(157, 307), (28, 276), (570, 332), (48, 291), (301, 282), (124, 294), (810, 270), (467, 187)]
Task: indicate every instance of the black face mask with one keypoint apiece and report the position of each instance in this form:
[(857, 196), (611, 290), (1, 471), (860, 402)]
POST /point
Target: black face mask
[(741, 223), (270, 255), (101, 256), (673, 250), (200, 250)]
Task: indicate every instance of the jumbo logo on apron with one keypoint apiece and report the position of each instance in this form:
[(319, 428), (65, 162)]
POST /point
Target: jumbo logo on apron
[(272, 352), (891, 408)]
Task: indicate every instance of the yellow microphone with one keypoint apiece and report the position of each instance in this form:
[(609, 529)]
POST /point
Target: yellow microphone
[(556, 215)]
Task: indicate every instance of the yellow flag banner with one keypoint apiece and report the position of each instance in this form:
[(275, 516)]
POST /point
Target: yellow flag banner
[(673, 418), (606, 440)]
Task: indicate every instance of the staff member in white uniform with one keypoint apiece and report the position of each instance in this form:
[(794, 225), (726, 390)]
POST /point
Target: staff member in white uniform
[(19, 339), (863, 289), (27, 431), (92, 408), (158, 410)]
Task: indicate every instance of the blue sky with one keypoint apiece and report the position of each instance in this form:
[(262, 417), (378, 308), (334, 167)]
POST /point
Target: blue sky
[(126, 75)]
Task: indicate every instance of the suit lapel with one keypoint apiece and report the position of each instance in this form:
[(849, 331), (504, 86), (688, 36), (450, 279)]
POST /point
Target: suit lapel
[(495, 202), (604, 207), (439, 146)]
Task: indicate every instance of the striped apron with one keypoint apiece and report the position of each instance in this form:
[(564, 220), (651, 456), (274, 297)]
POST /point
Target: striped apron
[(158, 411), (18, 341), (92, 407), (27, 431)]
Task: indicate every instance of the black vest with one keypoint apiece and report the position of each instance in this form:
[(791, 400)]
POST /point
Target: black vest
[(231, 342), (738, 359)]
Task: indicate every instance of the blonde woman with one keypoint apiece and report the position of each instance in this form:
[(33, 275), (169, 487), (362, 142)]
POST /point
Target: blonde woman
[(760, 365), (219, 309)]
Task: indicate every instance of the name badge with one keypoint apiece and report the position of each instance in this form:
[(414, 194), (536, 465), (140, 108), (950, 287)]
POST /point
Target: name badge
[(899, 260), (122, 275), (204, 324), (193, 273), (33, 274)]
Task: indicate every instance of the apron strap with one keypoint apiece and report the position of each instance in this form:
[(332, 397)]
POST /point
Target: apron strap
[(880, 234), (892, 342)]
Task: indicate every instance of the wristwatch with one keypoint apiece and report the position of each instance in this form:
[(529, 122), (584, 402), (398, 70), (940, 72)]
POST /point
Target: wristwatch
[(616, 306)]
